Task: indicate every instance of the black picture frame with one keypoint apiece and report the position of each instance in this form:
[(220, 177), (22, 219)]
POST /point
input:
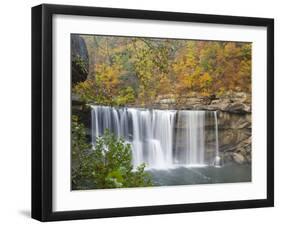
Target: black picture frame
[(42, 107)]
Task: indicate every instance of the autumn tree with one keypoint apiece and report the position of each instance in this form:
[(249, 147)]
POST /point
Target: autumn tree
[(136, 71)]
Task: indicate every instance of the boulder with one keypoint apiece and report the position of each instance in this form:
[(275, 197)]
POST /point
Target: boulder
[(238, 158)]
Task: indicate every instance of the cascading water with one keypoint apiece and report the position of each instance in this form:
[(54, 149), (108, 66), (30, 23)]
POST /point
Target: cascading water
[(217, 161), (191, 141), (160, 138)]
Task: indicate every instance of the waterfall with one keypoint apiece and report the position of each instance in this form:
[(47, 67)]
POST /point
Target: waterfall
[(217, 161), (216, 133), (193, 137), (160, 138)]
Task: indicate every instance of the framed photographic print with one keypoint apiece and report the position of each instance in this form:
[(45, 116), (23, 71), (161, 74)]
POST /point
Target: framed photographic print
[(146, 112)]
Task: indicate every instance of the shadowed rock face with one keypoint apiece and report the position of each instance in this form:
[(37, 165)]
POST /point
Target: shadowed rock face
[(235, 136), (79, 59)]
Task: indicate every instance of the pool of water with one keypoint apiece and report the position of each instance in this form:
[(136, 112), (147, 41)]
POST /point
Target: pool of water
[(230, 173)]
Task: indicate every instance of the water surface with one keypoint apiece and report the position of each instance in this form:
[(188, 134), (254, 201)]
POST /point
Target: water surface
[(229, 173)]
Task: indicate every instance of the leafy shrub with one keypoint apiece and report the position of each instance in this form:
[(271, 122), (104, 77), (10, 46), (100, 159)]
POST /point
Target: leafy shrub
[(108, 165), (80, 64)]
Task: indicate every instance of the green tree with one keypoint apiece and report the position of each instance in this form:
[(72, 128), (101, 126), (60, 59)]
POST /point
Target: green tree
[(108, 165), (79, 149)]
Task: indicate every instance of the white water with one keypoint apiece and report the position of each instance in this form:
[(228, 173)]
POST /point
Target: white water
[(193, 137), (217, 161), (216, 132), (160, 138)]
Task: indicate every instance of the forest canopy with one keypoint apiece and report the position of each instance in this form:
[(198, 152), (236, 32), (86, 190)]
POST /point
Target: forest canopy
[(136, 71)]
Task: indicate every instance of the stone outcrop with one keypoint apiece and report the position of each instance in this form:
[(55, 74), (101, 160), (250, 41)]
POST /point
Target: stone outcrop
[(79, 59), (235, 136), (238, 102)]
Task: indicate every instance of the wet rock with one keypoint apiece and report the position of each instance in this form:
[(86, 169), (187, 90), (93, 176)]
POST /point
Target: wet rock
[(238, 158), (228, 120)]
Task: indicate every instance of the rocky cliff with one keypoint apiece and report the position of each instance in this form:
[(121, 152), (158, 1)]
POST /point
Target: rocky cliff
[(79, 59)]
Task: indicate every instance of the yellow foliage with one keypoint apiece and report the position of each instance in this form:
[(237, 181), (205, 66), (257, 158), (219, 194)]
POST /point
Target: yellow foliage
[(205, 79), (108, 76), (152, 67)]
